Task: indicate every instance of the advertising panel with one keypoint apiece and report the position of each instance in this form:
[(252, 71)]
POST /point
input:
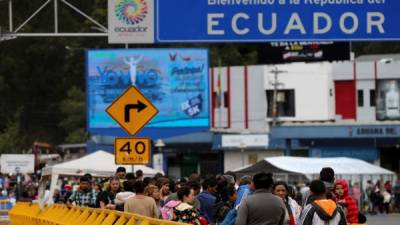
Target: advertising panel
[(17, 163), (131, 21), (388, 100), (174, 80), (302, 51)]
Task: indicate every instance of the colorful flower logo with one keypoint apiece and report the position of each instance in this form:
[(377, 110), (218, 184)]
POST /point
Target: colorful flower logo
[(131, 12)]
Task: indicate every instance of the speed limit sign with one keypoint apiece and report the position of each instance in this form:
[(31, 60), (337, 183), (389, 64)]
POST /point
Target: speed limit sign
[(132, 151)]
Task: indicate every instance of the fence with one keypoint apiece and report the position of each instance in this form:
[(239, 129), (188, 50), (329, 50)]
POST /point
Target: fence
[(30, 214), (5, 206)]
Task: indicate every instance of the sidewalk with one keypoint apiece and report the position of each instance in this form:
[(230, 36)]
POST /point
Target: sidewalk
[(384, 219)]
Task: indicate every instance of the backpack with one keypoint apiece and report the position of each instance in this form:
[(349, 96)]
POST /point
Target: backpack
[(167, 211), (230, 218)]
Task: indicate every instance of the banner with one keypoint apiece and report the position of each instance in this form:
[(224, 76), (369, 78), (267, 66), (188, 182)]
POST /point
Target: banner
[(17, 163), (286, 52), (174, 80), (388, 100), (131, 21), (276, 20)]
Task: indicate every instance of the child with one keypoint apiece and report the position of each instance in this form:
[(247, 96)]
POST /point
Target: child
[(344, 199)]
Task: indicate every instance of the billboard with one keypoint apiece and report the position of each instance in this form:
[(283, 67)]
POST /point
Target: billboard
[(302, 51), (276, 20), (174, 80), (17, 163), (388, 100)]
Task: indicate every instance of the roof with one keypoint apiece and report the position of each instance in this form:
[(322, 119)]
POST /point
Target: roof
[(99, 163), (310, 167), (65, 146), (341, 165), (378, 57)]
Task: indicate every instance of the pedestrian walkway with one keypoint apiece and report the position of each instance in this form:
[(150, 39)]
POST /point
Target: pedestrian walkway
[(384, 219)]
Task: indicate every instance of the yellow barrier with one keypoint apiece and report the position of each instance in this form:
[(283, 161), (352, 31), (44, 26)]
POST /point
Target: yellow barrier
[(5, 206), (30, 214)]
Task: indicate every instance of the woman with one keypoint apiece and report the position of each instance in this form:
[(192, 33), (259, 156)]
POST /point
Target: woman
[(163, 186), (106, 199), (343, 198), (154, 192), (228, 198), (293, 209), (184, 212)]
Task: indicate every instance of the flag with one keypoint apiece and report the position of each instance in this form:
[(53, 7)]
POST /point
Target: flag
[(218, 101)]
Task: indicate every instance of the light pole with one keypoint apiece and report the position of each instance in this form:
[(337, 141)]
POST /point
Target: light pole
[(242, 147), (160, 144), (276, 83)]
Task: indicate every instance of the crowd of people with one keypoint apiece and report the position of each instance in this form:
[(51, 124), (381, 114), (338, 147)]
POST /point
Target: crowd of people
[(222, 199)]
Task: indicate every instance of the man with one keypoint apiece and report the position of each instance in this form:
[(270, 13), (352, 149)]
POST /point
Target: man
[(327, 176), (85, 196), (322, 210), (262, 207), (207, 199), (139, 175), (141, 204)]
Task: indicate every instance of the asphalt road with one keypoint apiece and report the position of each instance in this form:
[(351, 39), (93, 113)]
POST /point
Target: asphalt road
[(384, 219)]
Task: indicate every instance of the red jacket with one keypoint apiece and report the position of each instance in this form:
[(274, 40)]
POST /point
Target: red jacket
[(347, 202)]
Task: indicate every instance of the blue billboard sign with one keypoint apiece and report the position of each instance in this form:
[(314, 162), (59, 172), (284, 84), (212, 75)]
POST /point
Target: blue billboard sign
[(174, 80), (276, 20)]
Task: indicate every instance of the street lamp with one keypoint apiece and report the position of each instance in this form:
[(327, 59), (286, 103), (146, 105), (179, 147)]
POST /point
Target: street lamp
[(242, 146), (159, 144)]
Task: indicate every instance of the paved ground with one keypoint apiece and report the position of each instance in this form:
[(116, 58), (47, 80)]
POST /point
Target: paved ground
[(383, 219)]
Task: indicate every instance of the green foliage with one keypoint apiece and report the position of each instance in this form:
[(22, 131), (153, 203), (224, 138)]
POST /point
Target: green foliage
[(11, 138), (73, 109)]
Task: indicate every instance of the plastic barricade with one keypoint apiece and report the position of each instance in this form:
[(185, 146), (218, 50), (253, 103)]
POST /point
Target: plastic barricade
[(30, 214), (5, 206)]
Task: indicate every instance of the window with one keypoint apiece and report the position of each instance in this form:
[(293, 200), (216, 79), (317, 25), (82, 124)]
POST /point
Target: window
[(372, 100), (221, 101), (360, 98), (226, 99), (285, 100)]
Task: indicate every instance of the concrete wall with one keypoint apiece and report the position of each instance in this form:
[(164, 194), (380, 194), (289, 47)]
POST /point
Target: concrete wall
[(313, 85), (233, 158), (256, 99)]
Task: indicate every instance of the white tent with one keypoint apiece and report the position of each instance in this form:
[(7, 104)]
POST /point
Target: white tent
[(98, 164), (296, 168)]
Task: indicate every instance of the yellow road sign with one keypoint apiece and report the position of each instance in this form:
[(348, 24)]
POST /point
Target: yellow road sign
[(132, 110), (132, 151)]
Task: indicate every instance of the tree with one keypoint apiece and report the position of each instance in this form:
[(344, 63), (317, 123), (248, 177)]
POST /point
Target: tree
[(73, 109), (12, 140)]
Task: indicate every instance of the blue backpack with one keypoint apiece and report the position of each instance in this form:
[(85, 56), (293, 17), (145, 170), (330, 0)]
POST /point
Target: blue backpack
[(230, 218)]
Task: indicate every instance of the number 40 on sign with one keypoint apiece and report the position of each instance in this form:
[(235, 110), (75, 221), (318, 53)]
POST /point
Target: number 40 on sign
[(132, 151)]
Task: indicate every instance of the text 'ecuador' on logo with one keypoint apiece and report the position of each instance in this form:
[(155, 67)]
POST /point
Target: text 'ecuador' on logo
[(131, 12)]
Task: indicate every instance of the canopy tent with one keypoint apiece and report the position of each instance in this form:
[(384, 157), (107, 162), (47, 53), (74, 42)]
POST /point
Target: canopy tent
[(301, 168), (98, 164)]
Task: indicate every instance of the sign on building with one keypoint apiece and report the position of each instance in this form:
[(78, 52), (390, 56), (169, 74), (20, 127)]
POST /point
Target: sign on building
[(17, 163), (277, 20), (302, 51), (245, 141)]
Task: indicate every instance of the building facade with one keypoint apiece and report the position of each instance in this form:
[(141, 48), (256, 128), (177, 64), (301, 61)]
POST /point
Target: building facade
[(324, 109)]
